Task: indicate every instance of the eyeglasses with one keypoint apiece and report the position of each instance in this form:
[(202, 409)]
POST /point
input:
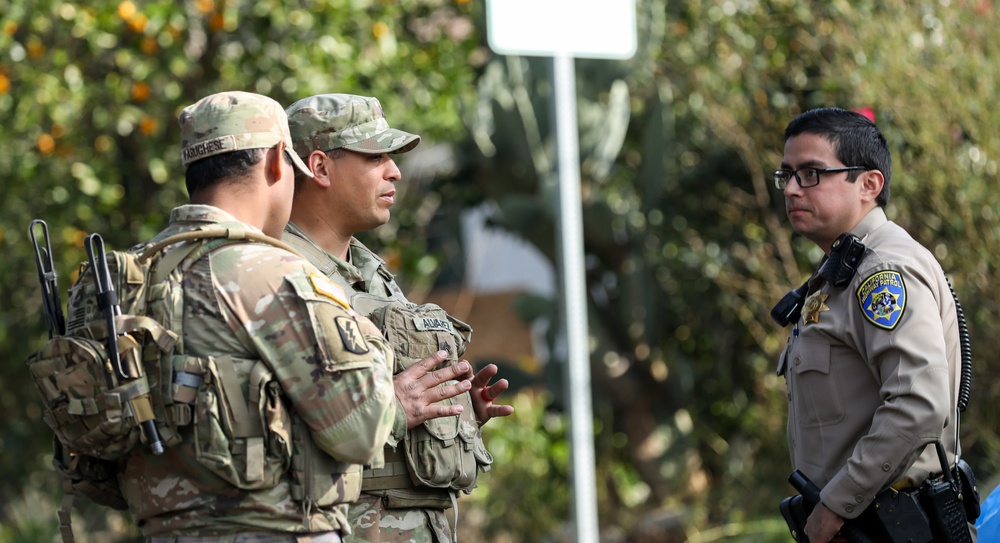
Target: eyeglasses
[(807, 177)]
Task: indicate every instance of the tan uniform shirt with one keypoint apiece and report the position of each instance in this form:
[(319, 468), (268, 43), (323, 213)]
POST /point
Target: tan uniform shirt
[(873, 372)]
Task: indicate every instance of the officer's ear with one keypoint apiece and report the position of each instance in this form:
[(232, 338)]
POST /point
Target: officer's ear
[(871, 183)]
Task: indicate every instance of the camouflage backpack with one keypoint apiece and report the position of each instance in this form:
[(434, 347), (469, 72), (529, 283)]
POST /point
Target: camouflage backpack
[(107, 380)]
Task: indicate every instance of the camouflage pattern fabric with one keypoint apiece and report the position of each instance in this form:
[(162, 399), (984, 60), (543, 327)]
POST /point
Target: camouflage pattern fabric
[(248, 303), (373, 522), (345, 121), (234, 121), (259, 537), (381, 515)]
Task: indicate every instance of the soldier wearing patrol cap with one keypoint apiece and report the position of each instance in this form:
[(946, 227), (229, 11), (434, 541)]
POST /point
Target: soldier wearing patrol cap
[(435, 449), (280, 391), (873, 364)]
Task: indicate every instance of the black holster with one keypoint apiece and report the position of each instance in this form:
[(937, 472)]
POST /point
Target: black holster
[(796, 510), (934, 513)]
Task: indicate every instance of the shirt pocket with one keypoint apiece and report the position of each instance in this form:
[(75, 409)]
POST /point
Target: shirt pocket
[(815, 390)]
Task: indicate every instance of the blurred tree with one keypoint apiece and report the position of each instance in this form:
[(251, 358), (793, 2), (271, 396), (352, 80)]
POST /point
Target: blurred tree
[(687, 247), (89, 97)]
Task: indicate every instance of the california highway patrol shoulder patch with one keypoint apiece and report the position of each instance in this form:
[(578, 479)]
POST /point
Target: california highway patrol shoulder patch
[(882, 297)]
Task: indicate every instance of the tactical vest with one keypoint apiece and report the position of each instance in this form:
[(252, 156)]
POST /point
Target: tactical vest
[(98, 412), (443, 455)]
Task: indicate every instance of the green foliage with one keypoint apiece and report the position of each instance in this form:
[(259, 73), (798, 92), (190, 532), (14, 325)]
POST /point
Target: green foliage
[(687, 245), (89, 97), (686, 241), (538, 445)]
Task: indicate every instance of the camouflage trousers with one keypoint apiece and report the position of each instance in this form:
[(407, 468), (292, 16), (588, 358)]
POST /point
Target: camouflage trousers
[(250, 537), (373, 522)]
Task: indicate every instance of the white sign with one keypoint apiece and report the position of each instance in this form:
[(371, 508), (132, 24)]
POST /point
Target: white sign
[(578, 28)]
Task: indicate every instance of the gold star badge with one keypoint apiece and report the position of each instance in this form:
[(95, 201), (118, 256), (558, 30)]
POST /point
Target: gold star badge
[(814, 305)]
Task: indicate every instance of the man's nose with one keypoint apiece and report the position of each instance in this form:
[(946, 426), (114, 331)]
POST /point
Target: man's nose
[(392, 172), (792, 187)]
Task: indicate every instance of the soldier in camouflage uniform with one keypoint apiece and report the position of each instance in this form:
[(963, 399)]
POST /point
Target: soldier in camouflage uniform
[(290, 389), (346, 141)]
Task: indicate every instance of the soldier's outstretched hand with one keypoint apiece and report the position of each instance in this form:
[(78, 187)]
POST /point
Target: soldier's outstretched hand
[(417, 388), (484, 394)]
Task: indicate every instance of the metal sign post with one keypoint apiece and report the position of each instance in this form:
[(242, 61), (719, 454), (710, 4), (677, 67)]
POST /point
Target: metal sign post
[(564, 29), (574, 307)]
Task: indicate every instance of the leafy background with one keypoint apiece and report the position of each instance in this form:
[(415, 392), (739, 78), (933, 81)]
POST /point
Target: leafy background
[(687, 246)]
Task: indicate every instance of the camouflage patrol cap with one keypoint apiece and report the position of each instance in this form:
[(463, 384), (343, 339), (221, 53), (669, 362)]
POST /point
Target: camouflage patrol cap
[(333, 121), (234, 121)]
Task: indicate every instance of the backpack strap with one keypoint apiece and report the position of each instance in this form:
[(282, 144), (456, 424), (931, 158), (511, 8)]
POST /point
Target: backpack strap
[(173, 258), (64, 514)]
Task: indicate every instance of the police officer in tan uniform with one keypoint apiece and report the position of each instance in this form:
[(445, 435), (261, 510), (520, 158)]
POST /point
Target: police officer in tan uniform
[(872, 367)]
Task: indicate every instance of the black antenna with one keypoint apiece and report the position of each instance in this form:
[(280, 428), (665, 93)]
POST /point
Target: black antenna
[(107, 301), (49, 280)]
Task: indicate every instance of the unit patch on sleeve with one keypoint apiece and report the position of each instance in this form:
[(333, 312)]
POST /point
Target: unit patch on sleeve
[(328, 288), (350, 334), (882, 298)]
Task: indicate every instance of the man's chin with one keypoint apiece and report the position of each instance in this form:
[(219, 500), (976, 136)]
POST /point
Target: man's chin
[(380, 220)]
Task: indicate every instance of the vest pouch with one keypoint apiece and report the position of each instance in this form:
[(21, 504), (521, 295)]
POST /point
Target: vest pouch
[(88, 476), (88, 415), (318, 478), (445, 452), (242, 430), (441, 452)]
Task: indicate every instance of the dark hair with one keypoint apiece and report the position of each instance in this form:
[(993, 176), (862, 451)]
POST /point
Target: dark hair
[(300, 176), (233, 166), (855, 138), (208, 171)]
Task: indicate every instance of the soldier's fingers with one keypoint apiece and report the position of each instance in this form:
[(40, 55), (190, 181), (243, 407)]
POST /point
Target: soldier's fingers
[(422, 367), (444, 392), (497, 410), (491, 392), (468, 374), (444, 410), (451, 373), (484, 375)]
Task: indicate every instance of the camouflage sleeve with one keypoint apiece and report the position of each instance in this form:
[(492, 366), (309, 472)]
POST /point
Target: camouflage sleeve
[(398, 427), (338, 382)]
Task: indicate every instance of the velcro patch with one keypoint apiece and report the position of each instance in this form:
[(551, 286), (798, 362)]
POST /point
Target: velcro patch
[(331, 290), (350, 334), (424, 324), (882, 298)]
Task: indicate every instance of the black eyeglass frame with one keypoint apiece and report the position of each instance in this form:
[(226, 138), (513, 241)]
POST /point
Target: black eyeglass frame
[(782, 177)]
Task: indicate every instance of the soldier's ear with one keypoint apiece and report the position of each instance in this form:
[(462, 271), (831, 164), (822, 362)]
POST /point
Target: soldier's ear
[(273, 159), (319, 165)]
